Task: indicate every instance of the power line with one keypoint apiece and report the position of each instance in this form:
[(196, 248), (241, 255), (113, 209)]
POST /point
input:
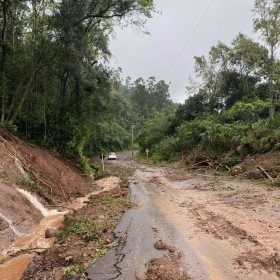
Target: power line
[(188, 40)]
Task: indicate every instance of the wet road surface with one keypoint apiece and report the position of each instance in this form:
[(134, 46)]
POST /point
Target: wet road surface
[(140, 228), (208, 221)]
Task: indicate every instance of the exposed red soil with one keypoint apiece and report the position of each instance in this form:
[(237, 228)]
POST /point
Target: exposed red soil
[(58, 177), (270, 161), (26, 166), (242, 216), (11, 202), (260, 260)]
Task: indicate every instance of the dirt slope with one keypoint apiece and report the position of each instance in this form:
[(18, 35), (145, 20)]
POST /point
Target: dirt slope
[(48, 177), (58, 177)]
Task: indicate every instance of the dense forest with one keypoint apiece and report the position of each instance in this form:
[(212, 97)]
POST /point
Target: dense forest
[(56, 89), (233, 105)]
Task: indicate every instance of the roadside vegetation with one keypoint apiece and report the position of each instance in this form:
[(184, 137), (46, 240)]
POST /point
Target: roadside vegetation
[(56, 88), (233, 107)]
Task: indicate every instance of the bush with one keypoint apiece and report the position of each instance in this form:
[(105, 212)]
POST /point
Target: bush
[(246, 112), (245, 124), (80, 134), (215, 138), (154, 130), (166, 149), (263, 137)]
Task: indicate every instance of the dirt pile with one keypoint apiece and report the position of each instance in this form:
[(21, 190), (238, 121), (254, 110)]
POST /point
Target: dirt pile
[(260, 260), (168, 267)]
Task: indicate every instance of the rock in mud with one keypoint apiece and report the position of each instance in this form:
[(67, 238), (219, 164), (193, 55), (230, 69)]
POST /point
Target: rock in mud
[(237, 170), (160, 245), (256, 174), (50, 233)]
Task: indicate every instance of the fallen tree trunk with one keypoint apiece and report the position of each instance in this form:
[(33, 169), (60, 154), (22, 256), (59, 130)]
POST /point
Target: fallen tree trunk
[(264, 172)]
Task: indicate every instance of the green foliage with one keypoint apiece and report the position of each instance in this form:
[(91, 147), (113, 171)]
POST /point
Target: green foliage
[(79, 224), (264, 136), (108, 137), (76, 144), (54, 88), (193, 107), (75, 270), (229, 104), (215, 138), (153, 130), (246, 111), (246, 124), (112, 202), (146, 97), (166, 149)]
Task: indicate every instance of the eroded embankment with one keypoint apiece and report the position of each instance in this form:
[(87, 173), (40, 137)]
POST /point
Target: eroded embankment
[(17, 256), (85, 236), (30, 179)]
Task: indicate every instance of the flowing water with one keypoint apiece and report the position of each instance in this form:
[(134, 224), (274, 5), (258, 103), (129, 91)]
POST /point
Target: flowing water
[(11, 225), (14, 267), (37, 204)]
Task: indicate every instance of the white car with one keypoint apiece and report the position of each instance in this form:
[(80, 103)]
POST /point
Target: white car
[(112, 156)]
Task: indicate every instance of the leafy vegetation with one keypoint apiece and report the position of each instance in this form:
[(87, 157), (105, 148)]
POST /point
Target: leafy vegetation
[(55, 87), (233, 105), (80, 224), (56, 90)]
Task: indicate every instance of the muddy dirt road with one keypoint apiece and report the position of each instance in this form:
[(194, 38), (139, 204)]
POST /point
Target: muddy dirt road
[(225, 229)]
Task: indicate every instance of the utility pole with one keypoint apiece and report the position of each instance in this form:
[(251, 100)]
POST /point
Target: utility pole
[(132, 140), (103, 165)]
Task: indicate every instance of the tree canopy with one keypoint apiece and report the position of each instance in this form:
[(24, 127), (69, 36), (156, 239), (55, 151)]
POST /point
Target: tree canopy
[(55, 89)]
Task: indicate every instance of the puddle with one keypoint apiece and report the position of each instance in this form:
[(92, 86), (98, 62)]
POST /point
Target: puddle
[(14, 268)]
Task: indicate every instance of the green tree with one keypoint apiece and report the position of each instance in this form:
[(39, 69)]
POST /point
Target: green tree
[(249, 59), (209, 71), (267, 22)]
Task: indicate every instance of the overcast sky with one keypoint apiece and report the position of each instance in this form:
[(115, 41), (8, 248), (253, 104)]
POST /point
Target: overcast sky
[(179, 32)]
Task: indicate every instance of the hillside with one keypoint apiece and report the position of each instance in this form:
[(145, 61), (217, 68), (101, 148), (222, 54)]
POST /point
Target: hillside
[(27, 168)]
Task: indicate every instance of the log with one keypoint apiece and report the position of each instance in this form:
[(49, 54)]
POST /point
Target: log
[(264, 172), (201, 162)]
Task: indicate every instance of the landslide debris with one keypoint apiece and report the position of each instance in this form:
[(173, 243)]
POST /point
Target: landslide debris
[(38, 170), (168, 267), (85, 236), (48, 177)]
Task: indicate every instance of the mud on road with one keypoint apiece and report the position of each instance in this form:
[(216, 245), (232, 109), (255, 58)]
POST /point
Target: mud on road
[(222, 228)]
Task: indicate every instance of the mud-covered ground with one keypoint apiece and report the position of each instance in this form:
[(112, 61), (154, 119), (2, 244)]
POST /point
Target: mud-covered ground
[(225, 228), (215, 227), (85, 236), (167, 267), (236, 223), (48, 177), (87, 232)]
